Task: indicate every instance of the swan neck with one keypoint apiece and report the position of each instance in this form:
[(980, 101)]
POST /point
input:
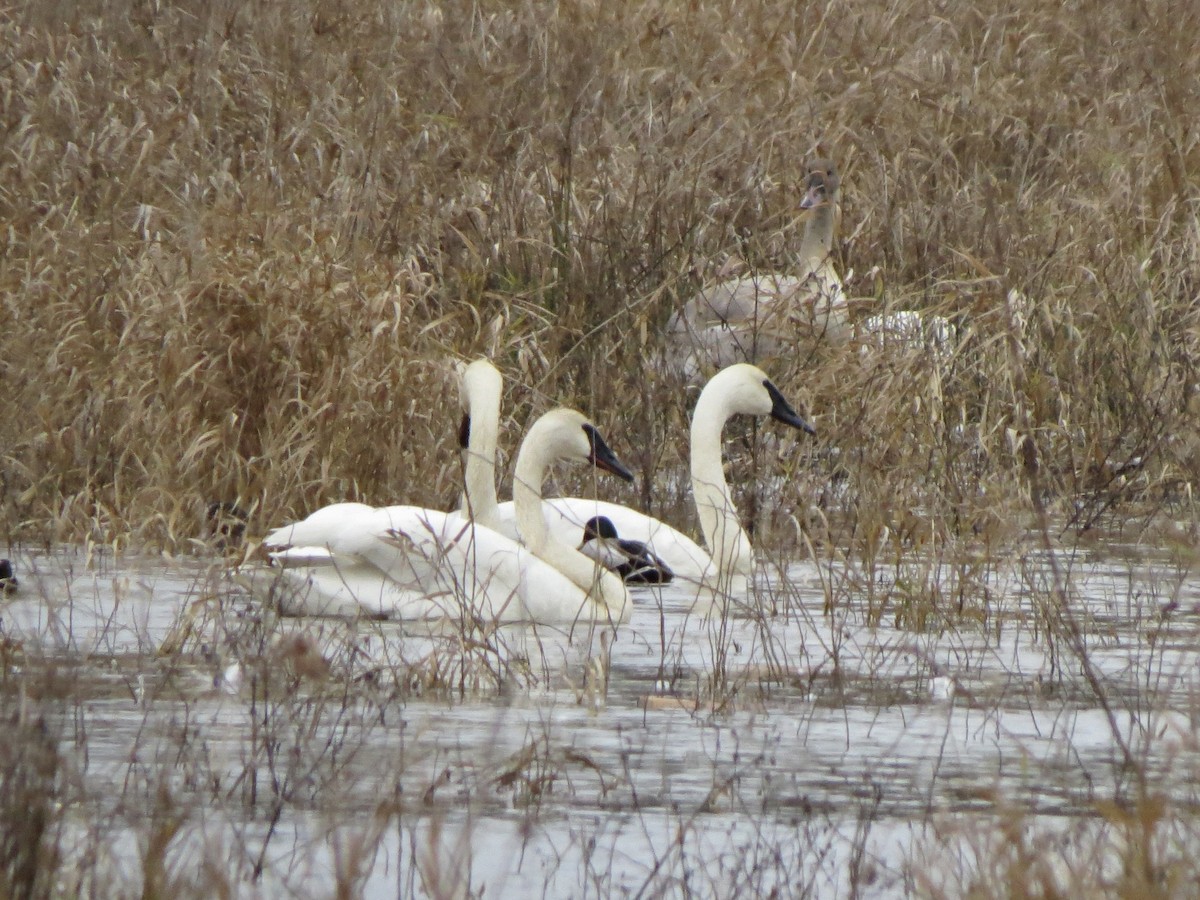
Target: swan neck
[(818, 235), (604, 588), (479, 479), (528, 475), (714, 504)]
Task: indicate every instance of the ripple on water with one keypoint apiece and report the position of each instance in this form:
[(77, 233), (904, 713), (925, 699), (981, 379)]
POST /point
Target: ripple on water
[(792, 722)]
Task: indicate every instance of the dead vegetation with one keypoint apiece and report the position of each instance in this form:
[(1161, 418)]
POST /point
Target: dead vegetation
[(239, 242)]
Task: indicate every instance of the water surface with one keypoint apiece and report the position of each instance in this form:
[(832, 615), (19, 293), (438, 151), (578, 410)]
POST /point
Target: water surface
[(815, 746)]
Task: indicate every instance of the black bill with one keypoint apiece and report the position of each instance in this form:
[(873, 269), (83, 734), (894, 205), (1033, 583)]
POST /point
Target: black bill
[(603, 458), (781, 410)]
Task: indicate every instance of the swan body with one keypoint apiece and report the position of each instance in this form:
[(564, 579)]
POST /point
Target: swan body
[(910, 330), (410, 563), (723, 570), (754, 317), (480, 387)]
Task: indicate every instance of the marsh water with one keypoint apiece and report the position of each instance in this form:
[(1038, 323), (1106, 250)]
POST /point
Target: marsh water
[(826, 743)]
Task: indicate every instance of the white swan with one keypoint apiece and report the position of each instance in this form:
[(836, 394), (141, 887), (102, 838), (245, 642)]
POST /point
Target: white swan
[(410, 563), (749, 318), (724, 569), (480, 388), (909, 330)]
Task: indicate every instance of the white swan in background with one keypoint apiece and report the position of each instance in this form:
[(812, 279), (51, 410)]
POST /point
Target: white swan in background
[(908, 331), (411, 563), (748, 318), (724, 569)]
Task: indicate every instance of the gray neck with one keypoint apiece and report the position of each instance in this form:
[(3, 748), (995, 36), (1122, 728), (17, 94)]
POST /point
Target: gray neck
[(818, 235)]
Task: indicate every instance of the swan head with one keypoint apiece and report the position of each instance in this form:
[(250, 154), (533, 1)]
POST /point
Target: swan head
[(820, 188), (564, 434), (479, 379), (746, 389)]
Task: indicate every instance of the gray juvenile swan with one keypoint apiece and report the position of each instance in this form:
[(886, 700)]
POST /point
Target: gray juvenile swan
[(749, 318)]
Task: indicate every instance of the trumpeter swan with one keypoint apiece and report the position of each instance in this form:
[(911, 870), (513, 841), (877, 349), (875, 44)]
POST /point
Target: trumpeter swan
[(749, 318), (410, 563), (723, 569), (480, 388)]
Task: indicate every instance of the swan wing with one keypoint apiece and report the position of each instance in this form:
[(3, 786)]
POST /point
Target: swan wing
[(303, 557), (412, 563), (341, 589), (320, 529)]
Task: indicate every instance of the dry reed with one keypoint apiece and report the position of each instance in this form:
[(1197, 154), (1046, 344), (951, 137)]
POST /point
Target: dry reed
[(239, 241)]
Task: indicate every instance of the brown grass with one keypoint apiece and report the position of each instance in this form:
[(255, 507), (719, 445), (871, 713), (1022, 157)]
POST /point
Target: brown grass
[(239, 240)]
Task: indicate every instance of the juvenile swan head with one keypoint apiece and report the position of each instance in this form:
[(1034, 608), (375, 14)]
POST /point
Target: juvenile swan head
[(821, 186)]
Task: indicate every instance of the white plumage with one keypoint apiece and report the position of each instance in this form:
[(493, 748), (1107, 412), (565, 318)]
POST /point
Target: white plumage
[(723, 569), (406, 562)]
